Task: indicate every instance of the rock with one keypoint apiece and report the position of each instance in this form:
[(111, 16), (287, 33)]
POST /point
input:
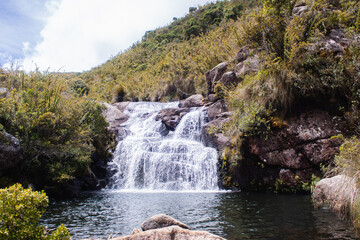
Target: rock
[(171, 117), (171, 233), (214, 139), (215, 109), (322, 151), (228, 80), (10, 151), (136, 231), (293, 152), (300, 8), (115, 117), (242, 54), (250, 65), (288, 158), (121, 105), (287, 177), (192, 101), (3, 92), (213, 97), (305, 129), (214, 75), (161, 221), (338, 192)]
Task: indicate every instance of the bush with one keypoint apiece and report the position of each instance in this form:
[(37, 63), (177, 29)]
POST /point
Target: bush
[(58, 131), (20, 211), (80, 88)]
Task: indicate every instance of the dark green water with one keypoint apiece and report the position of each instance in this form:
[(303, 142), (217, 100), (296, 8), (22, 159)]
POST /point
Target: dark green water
[(230, 215)]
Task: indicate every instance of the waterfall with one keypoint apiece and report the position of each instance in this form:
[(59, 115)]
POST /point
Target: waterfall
[(179, 161)]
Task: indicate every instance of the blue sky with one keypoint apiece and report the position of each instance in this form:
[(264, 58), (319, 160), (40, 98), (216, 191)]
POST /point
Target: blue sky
[(76, 35)]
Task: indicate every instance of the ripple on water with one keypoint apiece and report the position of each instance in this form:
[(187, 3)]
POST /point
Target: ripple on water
[(231, 215)]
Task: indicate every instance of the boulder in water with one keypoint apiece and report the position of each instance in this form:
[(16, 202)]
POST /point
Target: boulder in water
[(338, 192), (171, 116), (160, 221)]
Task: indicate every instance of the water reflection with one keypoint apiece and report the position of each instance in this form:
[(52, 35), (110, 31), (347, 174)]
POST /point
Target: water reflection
[(231, 215)]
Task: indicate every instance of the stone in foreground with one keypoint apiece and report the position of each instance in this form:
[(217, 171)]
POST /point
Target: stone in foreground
[(164, 227), (171, 233), (160, 221)]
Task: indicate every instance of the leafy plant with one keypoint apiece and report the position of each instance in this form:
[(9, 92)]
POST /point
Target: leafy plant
[(20, 211)]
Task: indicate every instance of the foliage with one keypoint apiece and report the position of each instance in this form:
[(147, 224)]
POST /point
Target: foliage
[(58, 131), (80, 87), (20, 212), (169, 63)]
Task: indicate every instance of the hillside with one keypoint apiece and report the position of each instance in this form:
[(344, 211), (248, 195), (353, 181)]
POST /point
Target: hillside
[(284, 58)]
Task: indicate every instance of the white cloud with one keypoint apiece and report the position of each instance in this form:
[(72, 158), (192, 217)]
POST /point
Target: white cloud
[(85, 33)]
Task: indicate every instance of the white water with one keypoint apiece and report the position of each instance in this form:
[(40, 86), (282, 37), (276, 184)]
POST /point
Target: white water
[(146, 160)]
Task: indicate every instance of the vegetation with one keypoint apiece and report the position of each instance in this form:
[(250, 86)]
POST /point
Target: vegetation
[(58, 126), (20, 212), (347, 163), (169, 63)]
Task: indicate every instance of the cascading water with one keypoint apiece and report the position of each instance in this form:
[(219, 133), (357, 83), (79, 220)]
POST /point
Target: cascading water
[(146, 160)]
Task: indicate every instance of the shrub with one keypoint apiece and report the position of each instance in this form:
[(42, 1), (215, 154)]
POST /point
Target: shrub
[(20, 211), (80, 88)]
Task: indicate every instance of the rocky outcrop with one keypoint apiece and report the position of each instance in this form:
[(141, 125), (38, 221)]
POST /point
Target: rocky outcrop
[(217, 116), (214, 75), (115, 116), (249, 65), (160, 221), (171, 117), (168, 232), (192, 101), (292, 154), (338, 193), (10, 151)]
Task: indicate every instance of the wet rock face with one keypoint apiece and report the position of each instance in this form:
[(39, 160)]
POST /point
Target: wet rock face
[(10, 151), (294, 153), (171, 117)]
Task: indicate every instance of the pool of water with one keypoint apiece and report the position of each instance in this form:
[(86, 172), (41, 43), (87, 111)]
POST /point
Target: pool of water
[(227, 214)]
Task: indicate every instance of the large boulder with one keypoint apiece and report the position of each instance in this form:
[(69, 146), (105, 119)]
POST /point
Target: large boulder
[(338, 193), (215, 109), (171, 117), (214, 75), (171, 233), (115, 117), (160, 221), (192, 101), (214, 138), (165, 227), (250, 65), (10, 151), (242, 54), (292, 153)]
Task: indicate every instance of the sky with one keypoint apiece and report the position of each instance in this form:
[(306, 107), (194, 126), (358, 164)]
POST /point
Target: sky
[(77, 35)]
